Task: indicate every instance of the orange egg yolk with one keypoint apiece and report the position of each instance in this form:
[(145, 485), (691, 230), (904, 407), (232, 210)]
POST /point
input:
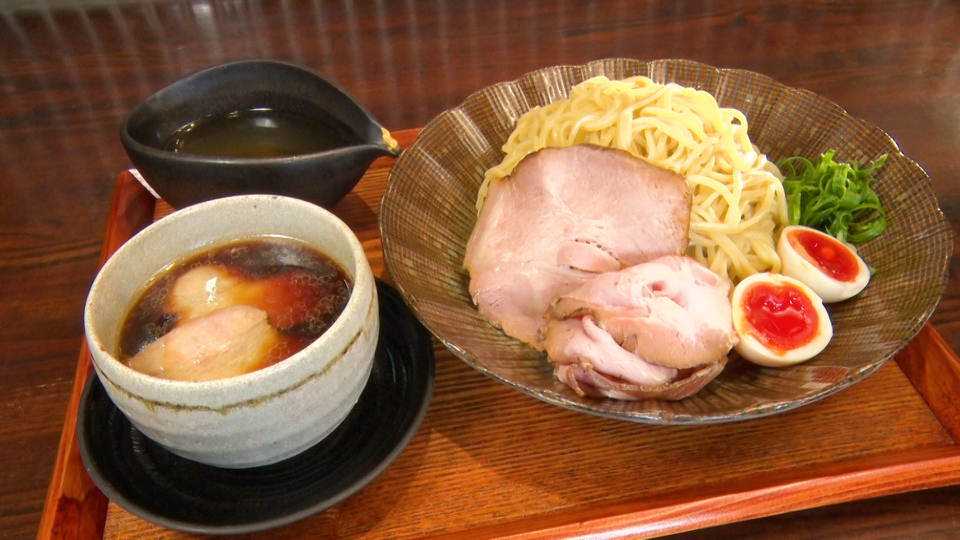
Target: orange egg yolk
[(780, 316), (829, 255)]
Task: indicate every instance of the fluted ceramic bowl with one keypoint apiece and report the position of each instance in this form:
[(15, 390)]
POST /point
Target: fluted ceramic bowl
[(428, 212), (261, 417)]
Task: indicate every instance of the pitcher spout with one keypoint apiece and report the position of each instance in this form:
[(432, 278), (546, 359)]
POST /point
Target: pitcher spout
[(392, 146)]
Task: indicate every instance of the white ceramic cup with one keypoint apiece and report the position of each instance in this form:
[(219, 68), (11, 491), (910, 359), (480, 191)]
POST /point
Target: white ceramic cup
[(264, 416)]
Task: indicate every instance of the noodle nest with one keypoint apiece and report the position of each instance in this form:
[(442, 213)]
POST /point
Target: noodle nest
[(739, 205)]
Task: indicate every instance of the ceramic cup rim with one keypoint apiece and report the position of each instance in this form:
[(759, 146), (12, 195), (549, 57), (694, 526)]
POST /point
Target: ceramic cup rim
[(352, 315)]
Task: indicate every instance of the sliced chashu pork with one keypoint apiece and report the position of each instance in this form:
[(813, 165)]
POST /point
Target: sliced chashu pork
[(225, 343), (563, 216), (661, 329)]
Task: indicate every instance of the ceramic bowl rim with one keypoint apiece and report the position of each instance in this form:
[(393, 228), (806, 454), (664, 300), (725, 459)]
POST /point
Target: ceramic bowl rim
[(158, 153)]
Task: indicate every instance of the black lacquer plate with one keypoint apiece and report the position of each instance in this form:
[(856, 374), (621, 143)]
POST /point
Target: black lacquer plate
[(158, 486)]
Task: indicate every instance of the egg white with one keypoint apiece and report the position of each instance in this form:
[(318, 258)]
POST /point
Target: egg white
[(797, 266), (753, 350)]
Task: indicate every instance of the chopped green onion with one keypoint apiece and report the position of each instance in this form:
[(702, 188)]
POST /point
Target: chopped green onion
[(834, 197)]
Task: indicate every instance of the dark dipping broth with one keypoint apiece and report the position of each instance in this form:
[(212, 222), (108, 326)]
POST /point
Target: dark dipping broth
[(259, 133), (301, 290)]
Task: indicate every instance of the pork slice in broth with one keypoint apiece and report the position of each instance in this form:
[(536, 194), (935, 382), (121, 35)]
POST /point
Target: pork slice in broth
[(289, 299), (225, 343)]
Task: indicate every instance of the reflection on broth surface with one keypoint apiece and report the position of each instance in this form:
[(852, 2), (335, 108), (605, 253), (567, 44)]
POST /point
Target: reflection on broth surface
[(233, 309), (259, 133)]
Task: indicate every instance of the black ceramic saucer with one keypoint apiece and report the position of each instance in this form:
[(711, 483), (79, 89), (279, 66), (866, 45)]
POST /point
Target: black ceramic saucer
[(158, 486)]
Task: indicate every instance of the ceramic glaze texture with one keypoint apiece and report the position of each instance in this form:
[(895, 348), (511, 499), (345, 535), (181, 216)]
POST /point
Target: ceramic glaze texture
[(429, 210), (322, 177), (261, 417)]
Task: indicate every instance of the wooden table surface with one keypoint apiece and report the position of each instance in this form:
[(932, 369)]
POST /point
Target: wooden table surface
[(71, 69)]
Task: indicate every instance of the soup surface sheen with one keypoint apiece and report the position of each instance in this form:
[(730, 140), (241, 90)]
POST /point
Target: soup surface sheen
[(258, 133), (301, 290)]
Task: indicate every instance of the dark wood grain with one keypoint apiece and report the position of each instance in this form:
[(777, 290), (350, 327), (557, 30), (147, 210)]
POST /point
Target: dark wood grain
[(75, 508), (70, 70)]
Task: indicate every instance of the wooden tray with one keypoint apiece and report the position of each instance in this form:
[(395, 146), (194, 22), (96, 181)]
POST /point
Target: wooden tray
[(496, 463)]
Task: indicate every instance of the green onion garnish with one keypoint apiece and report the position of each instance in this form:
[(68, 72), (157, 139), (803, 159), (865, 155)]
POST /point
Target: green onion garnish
[(834, 197)]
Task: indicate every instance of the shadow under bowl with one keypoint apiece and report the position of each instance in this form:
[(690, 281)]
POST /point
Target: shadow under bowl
[(322, 177)]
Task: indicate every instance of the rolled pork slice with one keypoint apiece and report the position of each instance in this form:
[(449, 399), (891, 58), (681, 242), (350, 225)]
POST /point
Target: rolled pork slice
[(671, 313)]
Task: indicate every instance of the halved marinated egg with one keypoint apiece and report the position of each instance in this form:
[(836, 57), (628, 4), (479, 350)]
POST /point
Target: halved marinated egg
[(780, 321), (831, 268)]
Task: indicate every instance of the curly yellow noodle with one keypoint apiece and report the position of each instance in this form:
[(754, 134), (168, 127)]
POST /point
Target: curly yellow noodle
[(738, 201)]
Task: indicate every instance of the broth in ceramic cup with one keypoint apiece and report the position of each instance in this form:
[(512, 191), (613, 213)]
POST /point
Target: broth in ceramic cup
[(263, 416)]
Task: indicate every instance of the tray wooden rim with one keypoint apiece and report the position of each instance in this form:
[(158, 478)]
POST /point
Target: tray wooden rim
[(75, 508)]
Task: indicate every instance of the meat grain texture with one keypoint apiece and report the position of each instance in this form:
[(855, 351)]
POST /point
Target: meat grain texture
[(556, 260), (658, 329), (225, 343), (563, 216)]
